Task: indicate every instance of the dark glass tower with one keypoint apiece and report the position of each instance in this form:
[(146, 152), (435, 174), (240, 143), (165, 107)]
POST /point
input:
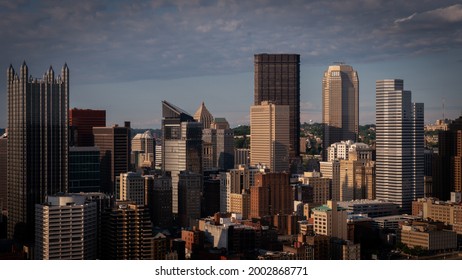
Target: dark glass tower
[(277, 79), (37, 144)]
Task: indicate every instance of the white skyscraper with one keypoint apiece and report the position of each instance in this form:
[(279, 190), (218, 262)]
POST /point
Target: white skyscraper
[(400, 142)]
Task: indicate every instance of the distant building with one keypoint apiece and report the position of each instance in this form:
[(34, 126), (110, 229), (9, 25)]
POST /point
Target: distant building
[(331, 220), (340, 105), (331, 170), (427, 235), (203, 116), (372, 208), (114, 146), (181, 146), (143, 150), (317, 186), (66, 228), (241, 157), (448, 212), (81, 122), (3, 164)]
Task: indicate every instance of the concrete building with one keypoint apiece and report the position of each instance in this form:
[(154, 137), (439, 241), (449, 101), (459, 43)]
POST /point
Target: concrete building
[(399, 165), (241, 157), (181, 145), (114, 146), (429, 236), (372, 208), (448, 212), (130, 187), (189, 197), (277, 79), (218, 146), (127, 232), (331, 170), (269, 144), (37, 164), (159, 199), (331, 220), (84, 169), (340, 105), (203, 116), (143, 150), (66, 228), (240, 203), (271, 195), (81, 122), (317, 186)]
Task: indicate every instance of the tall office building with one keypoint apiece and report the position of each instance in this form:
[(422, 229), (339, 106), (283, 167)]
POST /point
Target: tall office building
[(400, 144), (127, 232), (81, 122), (114, 146), (447, 168), (181, 145), (66, 228), (159, 199), (37, 144), (277, 79), (3, 159), (143, 150), (203, 116), (218, 146), (130, 187), (84, 169), (340, 103), (269, 144), (189, 197)]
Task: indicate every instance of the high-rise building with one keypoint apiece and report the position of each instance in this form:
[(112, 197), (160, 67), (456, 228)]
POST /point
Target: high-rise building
[(331, 170), (224, 144), (270, 137), (331, 220), (189, 197), (159, 199), (340, 105), (130, 187), (114, 146), (447, 168), (66, 228), (84, 169), (143, 146), (127, 232), (37, 144), (181, 145), (81, 122), (3, 159), (271, 195), (400, 144), (277, 79), (203, 116), (241, 157)]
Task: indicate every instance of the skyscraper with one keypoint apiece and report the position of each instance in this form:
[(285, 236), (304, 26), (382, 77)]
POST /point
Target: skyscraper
[(269, 143), (3, 185), (114, 146), (84, 169), (181, 145), (277, 79), (400, 143), (37, 144), (340, 103)]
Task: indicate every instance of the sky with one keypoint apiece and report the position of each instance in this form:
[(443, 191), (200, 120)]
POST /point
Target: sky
[(128, 56)]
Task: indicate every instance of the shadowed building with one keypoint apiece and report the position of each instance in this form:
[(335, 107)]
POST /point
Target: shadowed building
[(181, 145), (82, 122), (114, 146), (277, 79), (37, 144)]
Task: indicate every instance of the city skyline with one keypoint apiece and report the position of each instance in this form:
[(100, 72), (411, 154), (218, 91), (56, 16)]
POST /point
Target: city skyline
[(191, 52)]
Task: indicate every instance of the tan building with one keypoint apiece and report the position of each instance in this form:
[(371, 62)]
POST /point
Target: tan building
[(331, 220), (357, 179), (340, 104), (331, 170), (203, 116), (269, 142), (427, 236), (320, 186), (449, 213), (130, 186), (240, 203)]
